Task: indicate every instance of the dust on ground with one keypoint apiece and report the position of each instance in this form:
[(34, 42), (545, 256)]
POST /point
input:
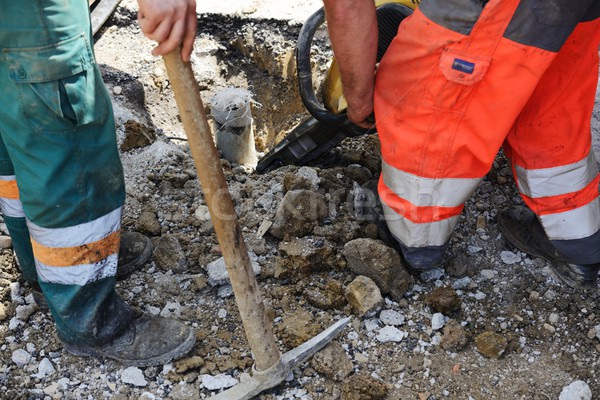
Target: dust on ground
[(419, 340)]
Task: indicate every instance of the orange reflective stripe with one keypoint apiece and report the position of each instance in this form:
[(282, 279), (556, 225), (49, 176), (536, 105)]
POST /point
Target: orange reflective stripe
[(9, 189), (89, 253), (565, 202), (416, 214)]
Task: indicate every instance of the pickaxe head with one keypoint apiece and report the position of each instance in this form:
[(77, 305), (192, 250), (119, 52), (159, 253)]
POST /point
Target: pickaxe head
[(273, 376)]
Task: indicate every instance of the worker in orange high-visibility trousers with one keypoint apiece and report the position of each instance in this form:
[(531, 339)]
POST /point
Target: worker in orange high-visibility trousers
[(461, 80)]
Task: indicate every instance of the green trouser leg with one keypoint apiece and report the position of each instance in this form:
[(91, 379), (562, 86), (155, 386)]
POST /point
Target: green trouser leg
[(17, 228), (57, 127)]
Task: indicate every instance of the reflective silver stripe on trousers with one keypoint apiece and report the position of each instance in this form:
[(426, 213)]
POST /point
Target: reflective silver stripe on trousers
[(419, 235), (424, 192), (11, 208), (77, 235), (556, 181), (582, 222), (79, 275)]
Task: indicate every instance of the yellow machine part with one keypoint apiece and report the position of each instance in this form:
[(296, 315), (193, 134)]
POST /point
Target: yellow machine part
[(333, 98)]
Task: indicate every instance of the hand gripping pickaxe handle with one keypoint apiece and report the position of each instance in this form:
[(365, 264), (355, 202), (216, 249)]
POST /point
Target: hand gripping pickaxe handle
[(270, 367)]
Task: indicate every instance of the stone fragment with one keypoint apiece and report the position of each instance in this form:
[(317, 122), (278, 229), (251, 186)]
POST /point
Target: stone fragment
[(444, 300), (364, 296), (45, 368), (51, 389), (432, 275), (390, 334), (171, 310), (3, 312), (508, 257), (437, 321), (297, 327), (331, 296), (133, 376), (23, 312), (333, 362), (381, 263), (577, 390), (217, 270), (148, 224), (188, 363), (169, 255), (183, 391), (5, 242), (15, 293), (491, 344), (391, 317), (298, 213), (217, 382), (303, 178), (137, 135), (21, 358), (363, 387), (202, 213), (455, 337), (302, 256)]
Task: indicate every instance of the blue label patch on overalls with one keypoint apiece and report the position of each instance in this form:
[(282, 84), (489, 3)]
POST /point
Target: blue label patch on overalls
[(463, 66)]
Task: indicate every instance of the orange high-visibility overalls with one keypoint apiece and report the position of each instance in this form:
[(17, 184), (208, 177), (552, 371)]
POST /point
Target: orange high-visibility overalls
[(464, 78)]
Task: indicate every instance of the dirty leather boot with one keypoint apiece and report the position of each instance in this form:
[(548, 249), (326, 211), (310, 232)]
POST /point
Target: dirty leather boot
[(522, 228), (134, 250), (148, 341)]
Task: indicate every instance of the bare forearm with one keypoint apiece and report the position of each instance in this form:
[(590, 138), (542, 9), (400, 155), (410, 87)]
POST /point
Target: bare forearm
[(352, 28)]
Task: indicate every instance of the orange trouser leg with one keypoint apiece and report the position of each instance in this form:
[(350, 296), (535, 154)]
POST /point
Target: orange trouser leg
[(550, 149), (445, 100)]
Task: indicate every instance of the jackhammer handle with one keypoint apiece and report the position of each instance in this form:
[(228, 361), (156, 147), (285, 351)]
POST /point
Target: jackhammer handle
[(257, 326)]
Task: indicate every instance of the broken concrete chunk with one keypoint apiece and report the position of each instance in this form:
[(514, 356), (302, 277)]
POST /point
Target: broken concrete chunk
[(444, 300), (298, 327), (148, 224), (169, 255), (361, 387), (455, 337), (379, 262), (303, 178), (333, 362), (300, 257), (491, 344), (364, 296), (5, 242), (298, 213), (217, 270), (137, 135)]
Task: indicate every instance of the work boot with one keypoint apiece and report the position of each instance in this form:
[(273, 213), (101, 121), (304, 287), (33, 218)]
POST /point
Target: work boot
[(148, 341), (134, 250), (369, 209), (522, 228)]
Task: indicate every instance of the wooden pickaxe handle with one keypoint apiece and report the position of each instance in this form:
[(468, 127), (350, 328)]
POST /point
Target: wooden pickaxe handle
[(257, 326)]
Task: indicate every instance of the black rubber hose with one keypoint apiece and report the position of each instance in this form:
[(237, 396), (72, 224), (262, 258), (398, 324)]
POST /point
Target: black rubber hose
[(305, 83)]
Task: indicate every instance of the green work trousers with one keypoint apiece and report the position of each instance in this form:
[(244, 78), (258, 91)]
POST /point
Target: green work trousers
[(57, 138)]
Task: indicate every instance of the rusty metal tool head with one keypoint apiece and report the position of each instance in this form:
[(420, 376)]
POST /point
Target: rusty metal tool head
[(273, 376)]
